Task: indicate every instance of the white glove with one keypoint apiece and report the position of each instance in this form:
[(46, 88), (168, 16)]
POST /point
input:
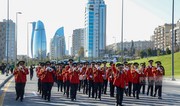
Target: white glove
[(90, 76), (103, 75)]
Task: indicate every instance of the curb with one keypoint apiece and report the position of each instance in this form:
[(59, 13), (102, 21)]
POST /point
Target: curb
[(5, 81)]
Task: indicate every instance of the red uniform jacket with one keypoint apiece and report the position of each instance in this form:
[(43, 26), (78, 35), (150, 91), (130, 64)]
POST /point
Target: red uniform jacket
[(119, 78), (136, 77), (158, 73), (89, 74), (129, 76), (74, 76), (20, 76), (47, 75), (149, 73), (98, 75), (59, 74), (110, 75), (38, 71), (66, 75)]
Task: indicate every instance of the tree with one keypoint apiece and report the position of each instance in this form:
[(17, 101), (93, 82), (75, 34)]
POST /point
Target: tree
[(168, 51), (149, 52), (81, 52), (158, 52)]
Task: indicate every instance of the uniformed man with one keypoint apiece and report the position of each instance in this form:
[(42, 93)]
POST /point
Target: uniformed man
[(126, 69), (90, 79), (60, 76), (119, 82), (136, 82), (150, 77), (74, 81), (110, 76), (105, 79), (85, 82), (20, 73), (129, 79), (158, 73), (38, 74), (98, 80), (81, 73), (142, 77)]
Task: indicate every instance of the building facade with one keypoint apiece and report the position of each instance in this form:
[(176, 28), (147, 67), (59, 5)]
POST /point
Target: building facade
[(38, 44), (77, 40), (162, 37), (95, 28), (2, 40), (137, 45), (177, 36), (58, 45), (7, 41)]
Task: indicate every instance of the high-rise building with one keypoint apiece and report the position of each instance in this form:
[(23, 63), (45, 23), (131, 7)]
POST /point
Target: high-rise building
[(10, 39), (95, 28), (2, 40), (38, 41), (77, 40), (32, 36), (58, 45)]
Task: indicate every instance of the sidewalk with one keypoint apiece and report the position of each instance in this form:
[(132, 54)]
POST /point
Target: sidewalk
[(4, 79)]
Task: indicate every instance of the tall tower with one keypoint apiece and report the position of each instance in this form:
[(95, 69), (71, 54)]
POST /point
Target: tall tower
[(95, 28)]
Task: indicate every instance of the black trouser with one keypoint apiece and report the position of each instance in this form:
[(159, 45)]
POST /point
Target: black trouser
[(73, 91), (136, 89), (142, 85), (104, 86), (119, 95), (20, 90), (97, 87), (150, 87), (159, 88), (85, 86), (111, 89), (31, 76), (80, 85), (39, 86), (66, 88), (91, 86), (49, 87), (129, 88), (60, 84)]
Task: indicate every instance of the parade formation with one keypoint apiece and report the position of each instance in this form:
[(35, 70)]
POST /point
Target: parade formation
[(93, 78)]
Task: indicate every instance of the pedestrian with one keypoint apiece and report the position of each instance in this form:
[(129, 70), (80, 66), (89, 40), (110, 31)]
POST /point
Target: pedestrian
[(20, 73), (31, 72), (119, 82), (158, 73)]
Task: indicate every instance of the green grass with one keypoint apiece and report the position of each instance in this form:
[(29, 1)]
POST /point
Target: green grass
[(166, 62)]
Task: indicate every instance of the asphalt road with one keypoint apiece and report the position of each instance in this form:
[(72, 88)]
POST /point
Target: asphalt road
[(171, 96)]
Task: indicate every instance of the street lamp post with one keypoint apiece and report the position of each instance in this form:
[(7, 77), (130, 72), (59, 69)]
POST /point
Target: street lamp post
[(16, 32), (173, 40), (7, 31), (28, 41), (122, 51)]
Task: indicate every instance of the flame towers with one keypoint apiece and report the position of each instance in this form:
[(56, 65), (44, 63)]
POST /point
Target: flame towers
[(38, 41)]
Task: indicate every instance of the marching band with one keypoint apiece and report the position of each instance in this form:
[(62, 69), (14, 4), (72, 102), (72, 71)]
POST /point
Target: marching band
[(93, 78)]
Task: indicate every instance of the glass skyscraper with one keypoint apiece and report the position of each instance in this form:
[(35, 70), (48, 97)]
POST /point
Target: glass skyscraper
[(58, 45), (95, 28), (38, 41)]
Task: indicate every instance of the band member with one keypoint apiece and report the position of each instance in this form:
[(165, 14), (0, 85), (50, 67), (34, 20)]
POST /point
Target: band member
[(90, 78), (66, 77), (81, 73), (48, 80), (38, 74), (60, 76), (20, 73), (126, 69), (129, 78), (105, 79), (110, 76), (119, 82), (150, 77), (74, 81), (158, 73), (98, 80), (85, 82), (136, 76), (142, 77)]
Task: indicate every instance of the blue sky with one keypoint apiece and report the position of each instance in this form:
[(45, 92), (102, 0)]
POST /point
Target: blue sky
[(140, 17)]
